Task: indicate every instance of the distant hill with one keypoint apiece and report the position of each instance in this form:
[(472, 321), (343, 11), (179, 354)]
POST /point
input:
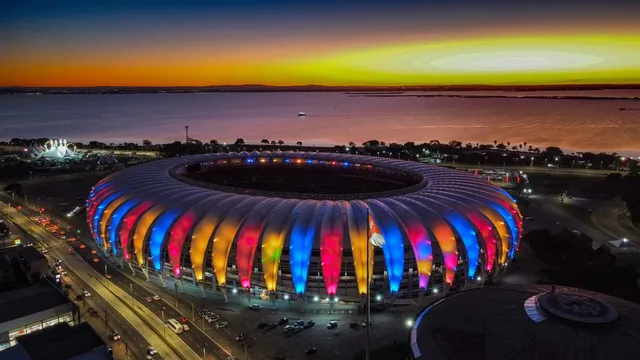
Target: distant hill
[(297, 88)]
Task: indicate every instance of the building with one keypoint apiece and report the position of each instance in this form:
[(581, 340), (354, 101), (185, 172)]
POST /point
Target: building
[(21, 266), (304, 223), (523, 323), (59, 342), (31, 308)]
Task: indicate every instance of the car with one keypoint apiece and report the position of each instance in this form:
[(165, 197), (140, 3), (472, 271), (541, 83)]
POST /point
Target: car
[(92, 311), (262, 325), (254, 306), (354, 325), (44, 251), (94, 251), (114, 336), (185, 327), (288, 328), (332, 325), (156, 297), (63, 272), (297, 329), (221, 325), (299, 322), (364, 323), (240, 337), (82, 246), (70, 252), (311, 323), (283, 320), (183, 319), (528, 217), (79, 297), (149, 299), (86, 293), (151, 350), (210, 320), (68, 286), (95, 260), (310, 351), (108, 276), (272, 326)]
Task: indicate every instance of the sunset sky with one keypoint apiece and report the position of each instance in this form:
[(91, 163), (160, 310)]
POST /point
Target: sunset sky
[(349, 42)]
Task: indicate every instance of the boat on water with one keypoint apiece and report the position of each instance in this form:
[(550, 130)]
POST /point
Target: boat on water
[(302, 114), (622, 109)]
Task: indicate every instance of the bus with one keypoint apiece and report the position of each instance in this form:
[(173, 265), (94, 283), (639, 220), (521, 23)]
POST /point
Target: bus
[(174, 325)]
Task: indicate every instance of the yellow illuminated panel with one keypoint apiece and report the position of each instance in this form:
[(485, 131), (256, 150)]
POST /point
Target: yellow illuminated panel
[(222, 240), (200, 241), (141, 231), (106, 215), (359, 242)]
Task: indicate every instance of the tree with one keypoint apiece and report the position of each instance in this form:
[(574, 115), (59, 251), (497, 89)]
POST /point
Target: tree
[(264, 141), (146, 143), (530, 148), (501, 146), (239, 142), (468, 146), (299, 143), (455, 144), (383, 144), (520, 147), (352, 144), (213, 142), (273, 142), (514, 148), (371, 143), (280, 142), (434, 143), (495, 142)]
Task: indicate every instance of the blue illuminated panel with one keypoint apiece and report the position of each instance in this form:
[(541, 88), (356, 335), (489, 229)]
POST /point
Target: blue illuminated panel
[(467, 233), (99, 211), (510, 222), (158, 233), (393, 247), (300, 244), (115, 222)]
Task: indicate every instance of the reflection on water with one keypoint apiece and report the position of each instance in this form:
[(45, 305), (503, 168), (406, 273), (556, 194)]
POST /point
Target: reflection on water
[(332, 118)]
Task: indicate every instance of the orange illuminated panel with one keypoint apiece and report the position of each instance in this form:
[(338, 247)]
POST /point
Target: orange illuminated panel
[(106, 215), (200, 241), (142, 228), (222, 240), (447, 241), (357, 226)]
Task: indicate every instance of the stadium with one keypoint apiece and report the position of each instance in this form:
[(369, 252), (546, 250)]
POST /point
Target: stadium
[(305, 223)]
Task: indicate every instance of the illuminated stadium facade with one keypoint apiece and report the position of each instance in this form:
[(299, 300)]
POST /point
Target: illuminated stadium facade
[(302, 222)]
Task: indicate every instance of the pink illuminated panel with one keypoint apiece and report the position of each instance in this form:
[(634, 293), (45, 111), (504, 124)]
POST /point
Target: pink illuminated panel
[(127, 225), (177, 238)]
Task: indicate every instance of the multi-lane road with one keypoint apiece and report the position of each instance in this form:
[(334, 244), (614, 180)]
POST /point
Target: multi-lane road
[(139, 316)]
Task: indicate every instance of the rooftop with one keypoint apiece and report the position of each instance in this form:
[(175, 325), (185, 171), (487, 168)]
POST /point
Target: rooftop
[(28, 300), (62, 341), (527, 323), (28, 252)]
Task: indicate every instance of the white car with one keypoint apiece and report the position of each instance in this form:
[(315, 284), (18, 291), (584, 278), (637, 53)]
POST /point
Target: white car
[(186, 327), (221, 325), (86, 293), (156, 297), (151, 350)]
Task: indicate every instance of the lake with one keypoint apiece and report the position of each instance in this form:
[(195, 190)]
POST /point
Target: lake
[(332, 118)]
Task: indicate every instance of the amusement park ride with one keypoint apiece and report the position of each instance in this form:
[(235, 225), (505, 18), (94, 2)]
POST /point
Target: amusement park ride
[(53, 149)]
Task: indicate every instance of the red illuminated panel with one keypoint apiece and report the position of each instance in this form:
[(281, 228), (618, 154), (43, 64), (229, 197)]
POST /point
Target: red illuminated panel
[(486, 231), (95, 202), (177, 238), (331, 248), (127, 225), (246, 249)]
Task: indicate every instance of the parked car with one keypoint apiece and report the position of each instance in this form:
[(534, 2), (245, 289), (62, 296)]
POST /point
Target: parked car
[(288, 328), (354, 325), (332, 325), (156, 297), (283, 320), (221, 325), (240, 337), (297, 329), (272, 326), (311, 351), (300, 322), (254, 307), (262, 325)]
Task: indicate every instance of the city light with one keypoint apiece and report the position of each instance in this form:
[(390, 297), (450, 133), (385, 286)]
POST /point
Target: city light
[(235, 291), (335, 299), (409, 323), (435, 291), (625, 240), (378, 297), (316, 298), (479, 278), (286, 296)]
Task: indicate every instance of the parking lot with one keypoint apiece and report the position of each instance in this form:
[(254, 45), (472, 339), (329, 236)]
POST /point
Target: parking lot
[(340, 342)]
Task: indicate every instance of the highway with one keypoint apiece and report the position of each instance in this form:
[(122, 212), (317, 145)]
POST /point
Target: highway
[(131, 310), (535, 169)]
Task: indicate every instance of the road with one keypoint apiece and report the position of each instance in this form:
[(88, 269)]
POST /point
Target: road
[(536, 169), (136, 315)]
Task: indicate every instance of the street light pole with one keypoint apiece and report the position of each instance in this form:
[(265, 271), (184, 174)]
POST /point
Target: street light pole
[(131, 288), (164, 326)]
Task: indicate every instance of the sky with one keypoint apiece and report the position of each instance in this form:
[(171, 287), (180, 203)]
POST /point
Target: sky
[(330, 42)]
